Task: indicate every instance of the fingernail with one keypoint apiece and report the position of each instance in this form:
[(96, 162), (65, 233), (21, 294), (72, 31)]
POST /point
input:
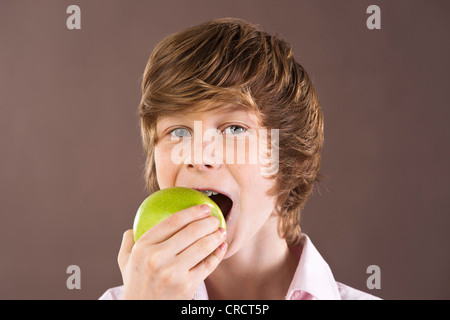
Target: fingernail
[(223, 246), (223, 232), (206, 208)]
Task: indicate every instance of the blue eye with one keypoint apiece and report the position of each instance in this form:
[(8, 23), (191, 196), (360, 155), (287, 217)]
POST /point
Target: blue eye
[(180, 132), (234, 130)]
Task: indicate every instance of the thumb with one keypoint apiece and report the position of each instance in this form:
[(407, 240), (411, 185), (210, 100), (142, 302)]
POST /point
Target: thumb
[(125, 249)]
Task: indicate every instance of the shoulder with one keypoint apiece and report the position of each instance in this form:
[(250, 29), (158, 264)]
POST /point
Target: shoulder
[(349, 293), (115, 293)]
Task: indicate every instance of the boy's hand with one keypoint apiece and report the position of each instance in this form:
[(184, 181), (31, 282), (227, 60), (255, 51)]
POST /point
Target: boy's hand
[(171, 259)]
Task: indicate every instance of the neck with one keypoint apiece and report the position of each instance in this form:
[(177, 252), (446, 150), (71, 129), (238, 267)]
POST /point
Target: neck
[(263, 270)]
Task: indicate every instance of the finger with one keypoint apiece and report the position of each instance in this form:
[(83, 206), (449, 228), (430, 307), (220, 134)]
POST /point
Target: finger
[(205, 267), (174, 223), (125, 248), (192, 233), (202, 248)]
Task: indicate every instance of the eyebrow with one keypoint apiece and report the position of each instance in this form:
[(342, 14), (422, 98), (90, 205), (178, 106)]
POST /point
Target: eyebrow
[(221, 109), (233, 107)]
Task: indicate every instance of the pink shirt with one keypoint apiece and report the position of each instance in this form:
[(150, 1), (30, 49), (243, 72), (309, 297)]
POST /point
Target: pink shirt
[(312, 280)]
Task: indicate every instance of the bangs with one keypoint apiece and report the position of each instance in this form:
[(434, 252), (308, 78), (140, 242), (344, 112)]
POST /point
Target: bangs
[(226, 100)]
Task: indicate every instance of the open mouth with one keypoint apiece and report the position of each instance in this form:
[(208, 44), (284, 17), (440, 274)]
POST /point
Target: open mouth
[(224, 202)]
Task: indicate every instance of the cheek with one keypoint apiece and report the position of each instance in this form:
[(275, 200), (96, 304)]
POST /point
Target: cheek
[(254, 188), (165, 171), (241, 150)]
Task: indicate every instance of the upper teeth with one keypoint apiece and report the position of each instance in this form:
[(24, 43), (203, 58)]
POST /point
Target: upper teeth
[(209, 193)]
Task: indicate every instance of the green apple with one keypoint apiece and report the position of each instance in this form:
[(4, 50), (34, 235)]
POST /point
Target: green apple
[(166, 202)]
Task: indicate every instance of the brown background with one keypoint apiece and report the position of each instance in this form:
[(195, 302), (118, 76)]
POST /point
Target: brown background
[(71, 160)]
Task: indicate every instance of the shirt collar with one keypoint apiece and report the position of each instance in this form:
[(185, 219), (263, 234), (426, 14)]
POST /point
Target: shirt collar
[(201, 293), (312, 278), (313, 275)]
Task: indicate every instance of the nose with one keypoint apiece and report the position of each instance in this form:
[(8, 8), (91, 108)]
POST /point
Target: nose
[(206, 153), (201, 167), (204, 163)]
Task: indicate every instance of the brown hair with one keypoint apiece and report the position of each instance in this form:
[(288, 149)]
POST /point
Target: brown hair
[(230, 61)]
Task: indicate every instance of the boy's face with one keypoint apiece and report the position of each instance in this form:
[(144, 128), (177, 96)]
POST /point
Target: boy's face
[(215, 150)]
